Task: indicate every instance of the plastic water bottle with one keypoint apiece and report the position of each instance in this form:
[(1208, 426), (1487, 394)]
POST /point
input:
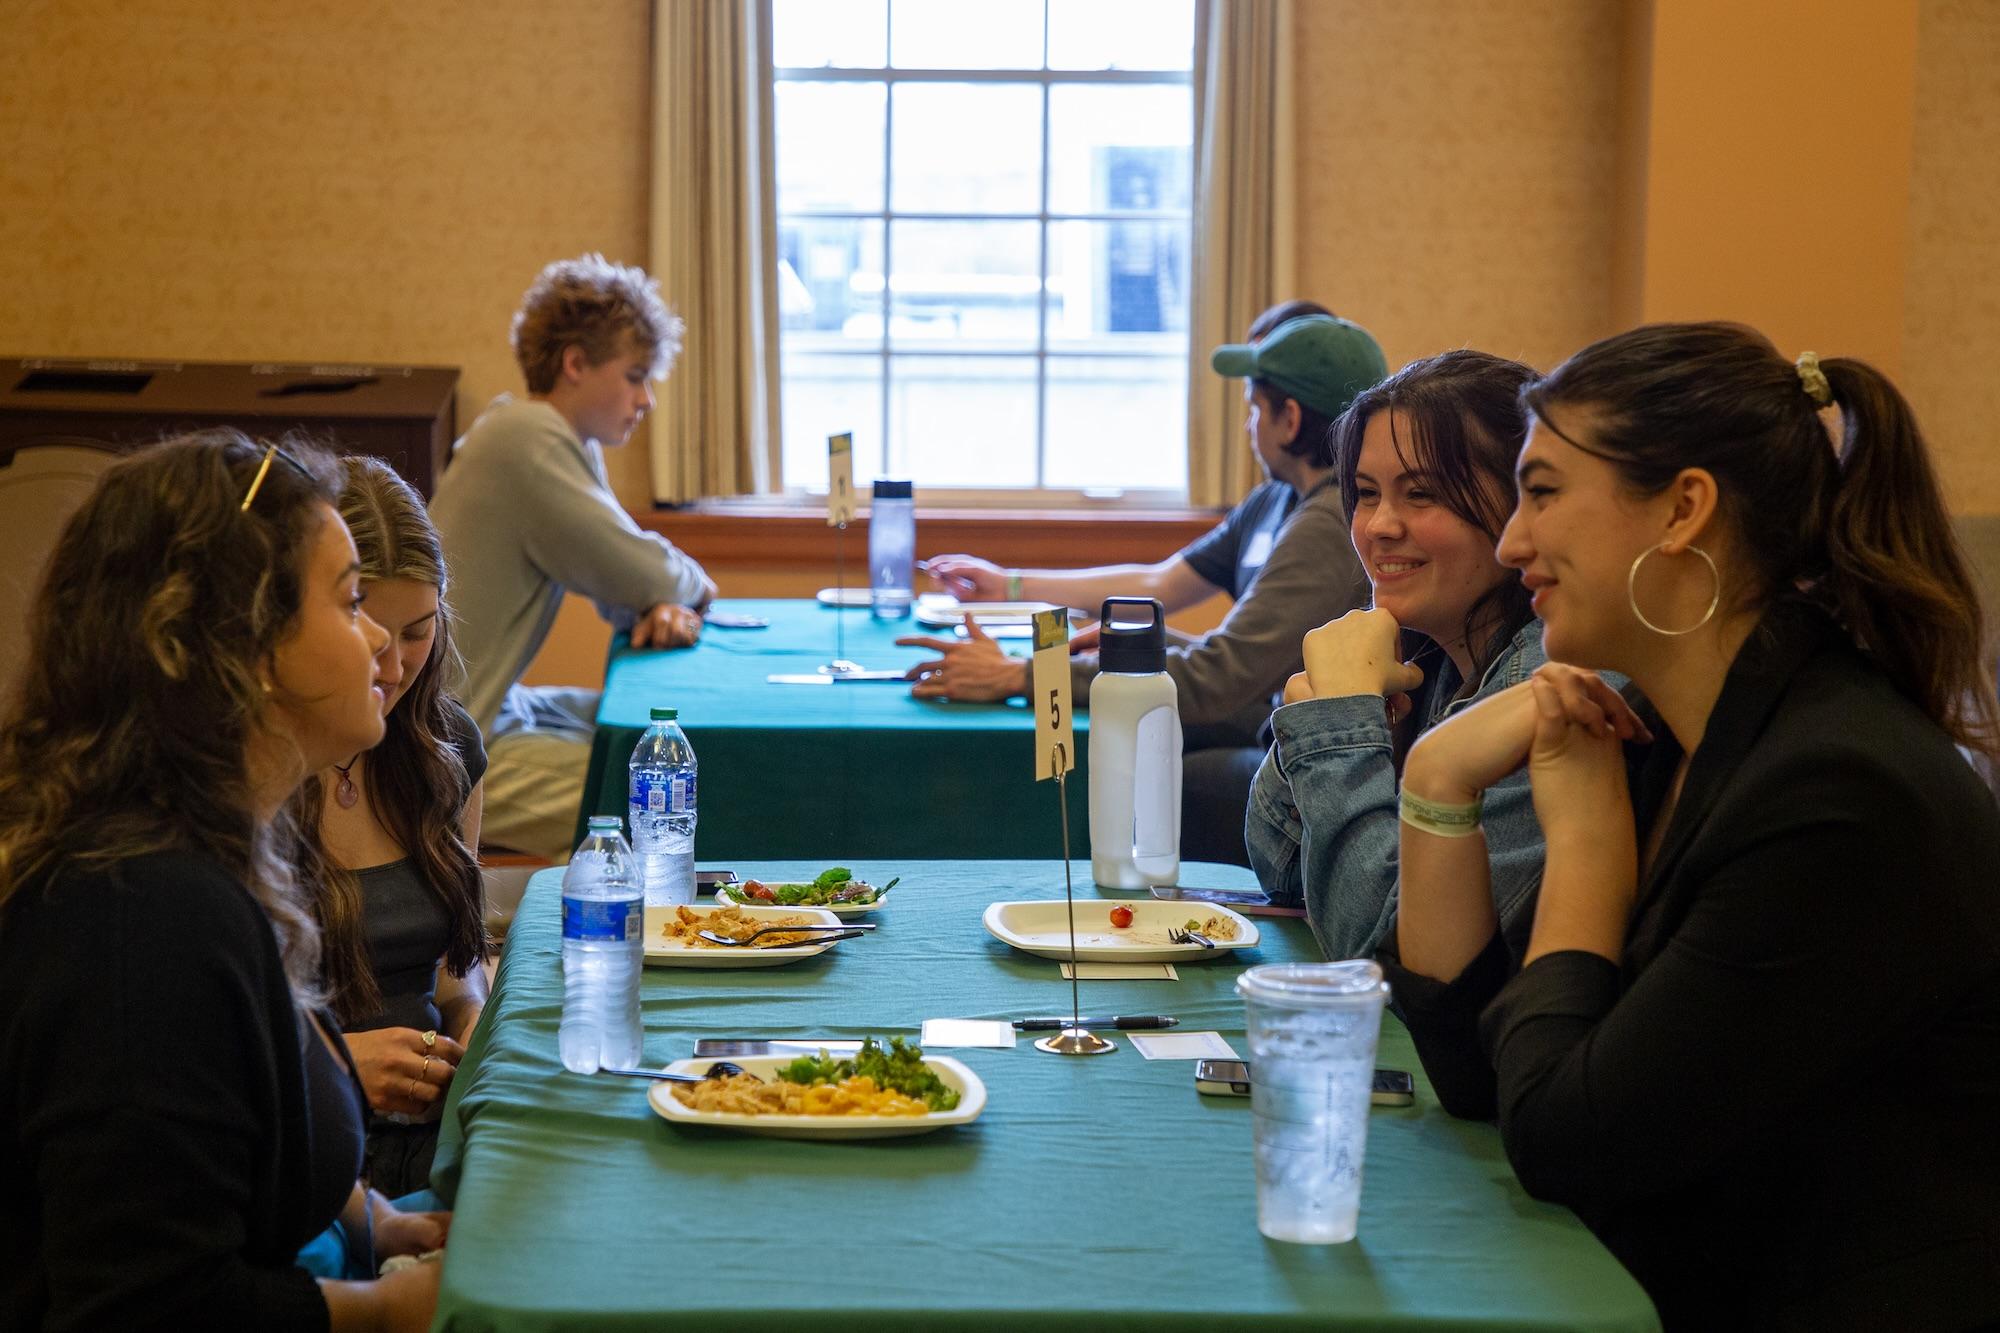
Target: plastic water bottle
[(661, 792), (604, 949), (892, 547), (1135, 753)]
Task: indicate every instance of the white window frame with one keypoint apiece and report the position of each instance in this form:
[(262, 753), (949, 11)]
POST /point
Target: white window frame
[(1038, 496)]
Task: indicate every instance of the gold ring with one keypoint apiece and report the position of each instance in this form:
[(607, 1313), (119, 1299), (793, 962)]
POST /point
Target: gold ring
[(410, 1094), (424, 1074), (431, 1040)]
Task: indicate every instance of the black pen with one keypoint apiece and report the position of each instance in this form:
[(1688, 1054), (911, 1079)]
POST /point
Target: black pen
[(1135, 1023)]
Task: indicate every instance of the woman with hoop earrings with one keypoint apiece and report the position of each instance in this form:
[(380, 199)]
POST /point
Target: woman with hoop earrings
[(1755, 1040)]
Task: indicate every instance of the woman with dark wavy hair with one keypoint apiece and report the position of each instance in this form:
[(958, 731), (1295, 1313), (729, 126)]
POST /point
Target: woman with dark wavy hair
[(397, 886), (1755, 1042), (1426, 462), (180, 1115)]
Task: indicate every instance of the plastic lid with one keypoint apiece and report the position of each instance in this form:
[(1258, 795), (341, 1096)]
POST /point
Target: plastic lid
[(606, 821), (893, 490), (665, 714), (1314, 985), (1131, 644)]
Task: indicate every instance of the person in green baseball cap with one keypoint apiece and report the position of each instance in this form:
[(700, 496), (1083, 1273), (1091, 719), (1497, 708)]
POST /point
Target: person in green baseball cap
[(1283, 554)]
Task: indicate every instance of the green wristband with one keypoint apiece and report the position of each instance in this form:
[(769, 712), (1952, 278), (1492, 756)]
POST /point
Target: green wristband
[(1446, 821), (1013, 587)]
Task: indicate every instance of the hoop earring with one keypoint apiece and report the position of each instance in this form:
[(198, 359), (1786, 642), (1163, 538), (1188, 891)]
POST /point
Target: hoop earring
[(1631, 594)]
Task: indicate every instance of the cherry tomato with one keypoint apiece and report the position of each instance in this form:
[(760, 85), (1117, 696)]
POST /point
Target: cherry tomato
[(1121, 916)]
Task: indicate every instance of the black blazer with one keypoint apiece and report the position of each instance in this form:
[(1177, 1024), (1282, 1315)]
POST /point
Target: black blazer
[(1781, 1109)]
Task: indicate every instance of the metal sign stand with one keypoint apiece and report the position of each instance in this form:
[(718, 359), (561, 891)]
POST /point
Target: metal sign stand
[(1076, 1039)]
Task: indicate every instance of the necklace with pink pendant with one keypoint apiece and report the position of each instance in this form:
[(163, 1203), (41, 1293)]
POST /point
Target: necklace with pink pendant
[(344, 791)]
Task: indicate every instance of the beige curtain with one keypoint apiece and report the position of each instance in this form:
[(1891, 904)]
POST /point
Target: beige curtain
[(714, 247), (1243, 220)]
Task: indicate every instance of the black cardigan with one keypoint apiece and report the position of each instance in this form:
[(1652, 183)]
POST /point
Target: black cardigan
[(159, 1160), (1781, 1109)]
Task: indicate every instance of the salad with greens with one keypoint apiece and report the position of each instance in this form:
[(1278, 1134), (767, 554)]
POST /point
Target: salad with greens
[(900, 1068), (831, 888)]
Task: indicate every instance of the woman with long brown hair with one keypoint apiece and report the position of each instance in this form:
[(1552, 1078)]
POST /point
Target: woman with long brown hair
[(179, 1113), (1755, 1041), (398, 892)]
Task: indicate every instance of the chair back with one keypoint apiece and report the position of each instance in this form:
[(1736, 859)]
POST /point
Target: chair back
[(41, 485)]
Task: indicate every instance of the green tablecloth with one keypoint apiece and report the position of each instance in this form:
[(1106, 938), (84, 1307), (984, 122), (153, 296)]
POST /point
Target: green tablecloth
[(1098, 1193), (841, 770)]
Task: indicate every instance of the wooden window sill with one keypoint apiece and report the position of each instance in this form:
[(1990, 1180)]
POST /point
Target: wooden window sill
[(789, 536)]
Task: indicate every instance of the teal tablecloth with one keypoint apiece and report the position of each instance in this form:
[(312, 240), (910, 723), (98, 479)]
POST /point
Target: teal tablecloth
[(834, 771), (1099, 1193)]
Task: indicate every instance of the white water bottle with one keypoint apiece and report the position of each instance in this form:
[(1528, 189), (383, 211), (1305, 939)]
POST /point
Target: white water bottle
[(661, 811), (1134, 751), (604, 949)]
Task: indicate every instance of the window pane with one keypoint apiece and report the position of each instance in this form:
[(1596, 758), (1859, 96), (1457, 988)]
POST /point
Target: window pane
[(815, 33), (1118, 284), (967, 148), (829, 282), (829, 138), (965, 34), (972, 282), (1113, 148), (1117, 422), (963, 421), (1121, 34), (822, 396)]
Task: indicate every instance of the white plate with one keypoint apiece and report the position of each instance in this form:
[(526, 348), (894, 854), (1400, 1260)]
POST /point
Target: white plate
[(1042, 927), (659, 953), (971, 1101), (722, 895), (844, 597), (942, 610)]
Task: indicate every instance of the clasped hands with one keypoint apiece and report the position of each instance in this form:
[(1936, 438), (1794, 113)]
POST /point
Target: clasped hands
[(1356, 655), (403, 1071), (667, 625)]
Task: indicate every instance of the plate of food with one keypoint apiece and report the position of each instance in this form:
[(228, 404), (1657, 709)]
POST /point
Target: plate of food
[(1138, 931), (672, 939), (878, 1093), (835, 890)]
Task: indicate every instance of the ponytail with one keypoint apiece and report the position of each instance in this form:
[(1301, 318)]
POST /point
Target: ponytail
[(1894, 571)]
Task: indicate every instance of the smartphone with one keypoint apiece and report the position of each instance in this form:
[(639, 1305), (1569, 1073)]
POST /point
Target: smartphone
[(1231, 1078), (724, 620), (1250, 902), (712, 879)]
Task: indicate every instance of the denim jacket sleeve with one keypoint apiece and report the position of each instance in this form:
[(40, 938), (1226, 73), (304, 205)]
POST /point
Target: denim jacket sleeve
[(1322, 827)]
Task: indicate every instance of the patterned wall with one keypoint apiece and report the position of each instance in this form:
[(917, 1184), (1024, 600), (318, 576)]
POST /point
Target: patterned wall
[(363, 181), (1457, 172), (1951, 353)]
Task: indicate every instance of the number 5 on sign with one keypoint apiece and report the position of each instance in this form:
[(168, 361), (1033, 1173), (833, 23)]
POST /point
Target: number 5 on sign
[(1055, 738), (839, 480)]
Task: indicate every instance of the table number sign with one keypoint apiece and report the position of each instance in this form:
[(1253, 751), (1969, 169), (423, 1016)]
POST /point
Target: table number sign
[(1055, 734), (839, 479)]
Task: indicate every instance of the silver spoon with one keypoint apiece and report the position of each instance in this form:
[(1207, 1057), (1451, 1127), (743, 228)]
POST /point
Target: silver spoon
[(720, 1069), (845, 932)]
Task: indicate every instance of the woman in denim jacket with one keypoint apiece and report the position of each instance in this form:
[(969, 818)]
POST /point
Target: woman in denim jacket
[(1426, 464)]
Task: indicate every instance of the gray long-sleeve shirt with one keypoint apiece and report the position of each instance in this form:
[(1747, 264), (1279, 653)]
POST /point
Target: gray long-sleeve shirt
[(527, 514), (1227, 677)]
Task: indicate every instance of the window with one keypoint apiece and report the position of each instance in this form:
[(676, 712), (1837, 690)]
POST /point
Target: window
[(983, 235)]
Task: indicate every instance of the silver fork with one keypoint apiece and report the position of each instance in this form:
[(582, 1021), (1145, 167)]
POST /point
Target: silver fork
[(840, 932), (1176, 935)]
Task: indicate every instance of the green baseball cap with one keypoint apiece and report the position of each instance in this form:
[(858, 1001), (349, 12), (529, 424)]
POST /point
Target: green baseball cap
[(1320, 360)]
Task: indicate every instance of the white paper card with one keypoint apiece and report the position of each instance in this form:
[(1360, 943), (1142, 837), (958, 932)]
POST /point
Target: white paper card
[(1055, 732), (948, 1032), (839, 480), (1121, 972), (1183, 1046)]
